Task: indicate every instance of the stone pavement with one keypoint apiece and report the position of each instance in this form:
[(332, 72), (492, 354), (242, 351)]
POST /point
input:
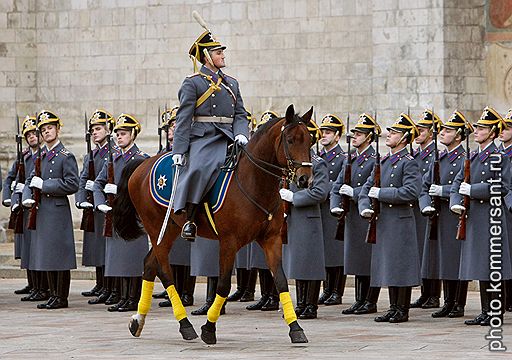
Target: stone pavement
[(90, 332)]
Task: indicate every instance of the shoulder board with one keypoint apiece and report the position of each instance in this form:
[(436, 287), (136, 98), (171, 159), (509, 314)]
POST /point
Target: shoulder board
[(142, 153), (192, 75), (25, 152), (231, 77), (65, 152), (409, 157), (316, 157)]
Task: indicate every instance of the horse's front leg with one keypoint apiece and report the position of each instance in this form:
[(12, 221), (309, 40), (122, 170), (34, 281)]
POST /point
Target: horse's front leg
[(227, 252), (272, 249)]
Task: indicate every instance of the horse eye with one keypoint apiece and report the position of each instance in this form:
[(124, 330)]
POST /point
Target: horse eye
[(289, 141)]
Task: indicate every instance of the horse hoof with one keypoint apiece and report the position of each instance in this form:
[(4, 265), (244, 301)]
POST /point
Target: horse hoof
[(136, 324), (187, 330), (297, 334), (208, 333)]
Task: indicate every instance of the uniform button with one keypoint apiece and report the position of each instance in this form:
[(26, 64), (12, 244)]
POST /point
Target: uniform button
[(423, 170), (51, 170), (50, 178), (481, 201), (361, 166), (394, 167), (392, 175), (390, 205), (330, 180), (213, 95), (338, 155), (358, 174), (330, 172), (485, 163), (426, 162), (53, 161), (451, 172), (482, 181), (47, 195), (232, 105), (358, 184), (449, 182), (333, 164), (454, 165), (391, 185), (214, 105)]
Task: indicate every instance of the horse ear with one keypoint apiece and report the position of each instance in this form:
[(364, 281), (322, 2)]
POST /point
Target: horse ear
[(290, 114), (307, 116)]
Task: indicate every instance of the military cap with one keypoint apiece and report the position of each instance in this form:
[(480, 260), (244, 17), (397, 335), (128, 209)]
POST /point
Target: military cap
[(28, 124), (332, 122), (267, 116), (426, 120), (47, 117), (508, 118), (128, 122), (101, 117), (167, 117), (458, 122), (490, 118), (405, 125), (366, 124), (205, 42)]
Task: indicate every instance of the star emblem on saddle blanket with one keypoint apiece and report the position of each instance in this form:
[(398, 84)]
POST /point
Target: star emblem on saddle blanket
[(162, 182)]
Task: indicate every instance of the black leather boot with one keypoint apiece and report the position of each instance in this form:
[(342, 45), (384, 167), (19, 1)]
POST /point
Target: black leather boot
[(104, 294), (484, 304), (423, 297), (124, 292), (508, 295), (160, 295), (265, 289), (370, 304), (328, 284), (313, 290), (33, 284), (211, 288), (362, 284), (450, 290), (403, 303), (115, 294), (272, 303), (41, 284), (189, 285), (134, 290), (189, 230), (63, 282), (339, 287), (393, 301), (28, 288), (52, 284), (492, 296), (300, 291), (251, 286), (460, 299), (241, 284), (434, 292), (96, 290)]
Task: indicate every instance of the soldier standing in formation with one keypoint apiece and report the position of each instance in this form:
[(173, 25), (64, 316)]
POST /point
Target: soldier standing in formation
[(357, 252), (58, 179), (441, 257), (475, 261), (333, 155), (395, 261), (424, 155), (123, 259), (93, 253)]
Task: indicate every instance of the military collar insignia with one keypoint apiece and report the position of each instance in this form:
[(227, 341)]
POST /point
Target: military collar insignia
[(508, 152), (332, 153), (473, 154), (426, 152), (442, 154)]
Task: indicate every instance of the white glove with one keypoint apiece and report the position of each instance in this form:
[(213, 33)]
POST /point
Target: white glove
[(367, 213), (286, 195), (13, 184), (85, 205), (435, 190), (89, 185), (241, 139), (19, 188), (36, 182), (374, 192), (15, 206), (104, 208), (337, 211), (458, 209), (178, 159), (428, 210), (347, 190), (6, 202), (465, 189), (28, 203), (110, 189)]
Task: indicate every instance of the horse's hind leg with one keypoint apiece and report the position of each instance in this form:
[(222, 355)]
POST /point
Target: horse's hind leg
[(272, 248), (148, 281), (226, 258), (166, 276)]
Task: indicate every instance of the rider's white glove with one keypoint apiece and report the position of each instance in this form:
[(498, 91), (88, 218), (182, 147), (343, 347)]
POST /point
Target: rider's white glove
[(241, 139), (19, 188), (286, 195), (337, 211), (428, 210), (367, 213), (347, 190), (178, 159), (435, 190), (85, 205), (110, 189), (28, 203), (36, 182), (89, 185), (104, 208), (457, 209), (465, 189), (374, 192), (6, 202)]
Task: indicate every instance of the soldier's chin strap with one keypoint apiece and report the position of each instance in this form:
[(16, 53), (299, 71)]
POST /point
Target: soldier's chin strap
[(490, 132), (401, 139)]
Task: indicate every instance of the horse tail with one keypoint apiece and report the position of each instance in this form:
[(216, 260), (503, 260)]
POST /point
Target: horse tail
[(126, 221)]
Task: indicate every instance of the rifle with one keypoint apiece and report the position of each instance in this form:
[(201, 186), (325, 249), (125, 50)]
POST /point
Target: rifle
[(36, 193), (436, 179), (159, 127), (16, 217), (461, 226), (371, 235), (345, 199), (107, 229), (286, 209), (411, 149), (87, 223)]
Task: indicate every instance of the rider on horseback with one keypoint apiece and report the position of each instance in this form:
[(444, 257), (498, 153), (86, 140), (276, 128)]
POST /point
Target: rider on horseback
[(210, 117)]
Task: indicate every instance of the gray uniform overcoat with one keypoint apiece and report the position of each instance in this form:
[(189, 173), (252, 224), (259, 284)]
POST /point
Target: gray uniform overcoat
[(441, 257), (122, 258), (333, 248), (303, 256), (205, 143), (257, 257), (204, 257), (52, 245), (475, 252), (358, 253), (395, 260)]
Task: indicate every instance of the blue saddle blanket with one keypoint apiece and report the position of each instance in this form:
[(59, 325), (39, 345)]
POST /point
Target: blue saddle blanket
[(160, 184)]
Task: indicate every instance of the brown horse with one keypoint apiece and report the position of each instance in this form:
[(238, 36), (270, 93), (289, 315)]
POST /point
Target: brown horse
[(252, 210)]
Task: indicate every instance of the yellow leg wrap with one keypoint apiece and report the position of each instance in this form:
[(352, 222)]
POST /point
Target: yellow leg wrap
[(214, 310), (177, 306), (289, 313), (145, 297)]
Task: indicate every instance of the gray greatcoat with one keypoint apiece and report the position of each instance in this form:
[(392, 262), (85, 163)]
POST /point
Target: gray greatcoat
[(7, 194), (475, 252), (93, 251), (303, 256), (205, 143), (333, 248), (257, 257), (243, 257), (204, 257), (122, 258), (441, 257), (358, 253), (52, 245), (395, 260), (180, 252), (424, 158)]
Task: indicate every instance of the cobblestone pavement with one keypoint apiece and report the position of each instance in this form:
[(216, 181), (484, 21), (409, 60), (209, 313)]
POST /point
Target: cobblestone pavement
[(90, 332)]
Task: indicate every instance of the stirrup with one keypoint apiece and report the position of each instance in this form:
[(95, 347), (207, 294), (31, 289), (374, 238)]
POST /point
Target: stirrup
[(189, 231)]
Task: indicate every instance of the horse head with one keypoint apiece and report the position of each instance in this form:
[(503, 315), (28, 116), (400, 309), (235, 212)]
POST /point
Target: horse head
[(293, 146)]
